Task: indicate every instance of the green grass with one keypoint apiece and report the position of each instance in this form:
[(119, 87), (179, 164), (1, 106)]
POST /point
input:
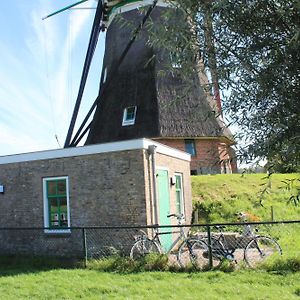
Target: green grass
[(91, 284), (220, 197)]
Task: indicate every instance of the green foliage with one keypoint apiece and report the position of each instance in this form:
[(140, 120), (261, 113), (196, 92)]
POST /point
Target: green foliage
[(252, 51), (227, 266), (283, 264), (124, 264), (257, 46)]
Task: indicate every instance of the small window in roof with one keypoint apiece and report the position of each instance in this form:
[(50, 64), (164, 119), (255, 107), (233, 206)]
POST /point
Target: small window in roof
[(129, 116)]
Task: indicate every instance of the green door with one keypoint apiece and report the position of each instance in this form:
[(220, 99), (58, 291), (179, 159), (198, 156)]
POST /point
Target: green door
[(164, 207)]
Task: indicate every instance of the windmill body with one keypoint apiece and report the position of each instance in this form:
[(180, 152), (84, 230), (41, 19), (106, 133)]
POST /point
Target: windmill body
[(139, 102)]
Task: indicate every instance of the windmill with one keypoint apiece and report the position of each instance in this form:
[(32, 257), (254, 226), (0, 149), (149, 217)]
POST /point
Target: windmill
[(135, 102)]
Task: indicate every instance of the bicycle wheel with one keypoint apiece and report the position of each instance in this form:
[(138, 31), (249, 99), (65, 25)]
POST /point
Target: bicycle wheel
[(143, 247), (183, 255), (259, 249), (200, 253)]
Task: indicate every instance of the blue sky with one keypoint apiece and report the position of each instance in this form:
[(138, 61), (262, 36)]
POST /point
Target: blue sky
[(40, 69)]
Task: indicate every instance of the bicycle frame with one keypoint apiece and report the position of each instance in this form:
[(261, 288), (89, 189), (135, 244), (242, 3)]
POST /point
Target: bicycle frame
[(182, 236)]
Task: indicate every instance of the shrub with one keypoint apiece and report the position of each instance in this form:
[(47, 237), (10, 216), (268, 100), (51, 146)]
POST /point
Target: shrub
[(124, 264), (282, 264)]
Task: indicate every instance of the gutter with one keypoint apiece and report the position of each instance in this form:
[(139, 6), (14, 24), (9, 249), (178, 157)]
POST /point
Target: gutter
[(152, 151)]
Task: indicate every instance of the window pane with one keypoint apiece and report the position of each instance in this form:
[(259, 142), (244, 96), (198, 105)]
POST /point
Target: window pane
[(178, 182), (53, 205), (178, 202), (179, 194), (64, 218), (51, 187), (130, 113), (61, 187), (54, 219), (190, 147)]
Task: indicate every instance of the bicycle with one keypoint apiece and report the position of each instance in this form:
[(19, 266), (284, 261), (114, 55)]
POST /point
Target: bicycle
[(145, 245), (257, 249)]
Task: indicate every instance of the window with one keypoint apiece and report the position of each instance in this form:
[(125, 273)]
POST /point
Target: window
[(129, 116), (56, 202), (190, 147), (179, 194)]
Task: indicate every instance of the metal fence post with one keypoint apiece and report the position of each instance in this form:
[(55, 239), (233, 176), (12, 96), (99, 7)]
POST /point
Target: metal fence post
[(209, 247), (84, 247)]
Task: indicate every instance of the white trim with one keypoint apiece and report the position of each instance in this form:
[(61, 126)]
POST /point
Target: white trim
[(94, 149), (166, 150), (46, 206), (57, 231)]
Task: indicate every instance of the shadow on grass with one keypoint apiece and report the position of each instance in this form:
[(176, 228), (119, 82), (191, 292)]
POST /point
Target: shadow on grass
[(16, 265), (12, 265)]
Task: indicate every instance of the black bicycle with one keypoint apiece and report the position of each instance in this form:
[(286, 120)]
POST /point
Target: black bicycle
[(254, 250), (183, 246)]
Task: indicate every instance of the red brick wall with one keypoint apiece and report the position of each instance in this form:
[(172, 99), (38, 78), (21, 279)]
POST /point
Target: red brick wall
[(212, 155)]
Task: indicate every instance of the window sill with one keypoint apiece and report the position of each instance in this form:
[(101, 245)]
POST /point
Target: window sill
[(57, 231), (128, 123)]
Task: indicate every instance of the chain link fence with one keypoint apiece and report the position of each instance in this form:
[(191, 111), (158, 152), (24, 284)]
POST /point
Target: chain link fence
[(202, 246)]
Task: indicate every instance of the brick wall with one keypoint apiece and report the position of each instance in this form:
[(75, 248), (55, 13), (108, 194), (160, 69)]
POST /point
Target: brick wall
[(104, 189), (212, 155)]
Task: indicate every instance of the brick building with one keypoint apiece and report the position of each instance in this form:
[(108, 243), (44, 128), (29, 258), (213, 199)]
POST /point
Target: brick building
[(136, 182)]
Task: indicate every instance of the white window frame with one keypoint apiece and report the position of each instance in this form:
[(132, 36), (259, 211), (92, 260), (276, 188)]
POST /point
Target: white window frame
[(46, 205), (182, 202), (127, 122)]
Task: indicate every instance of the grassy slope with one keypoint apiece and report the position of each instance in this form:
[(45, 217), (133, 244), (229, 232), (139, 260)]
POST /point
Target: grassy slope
[(88, 284), (219, 197)]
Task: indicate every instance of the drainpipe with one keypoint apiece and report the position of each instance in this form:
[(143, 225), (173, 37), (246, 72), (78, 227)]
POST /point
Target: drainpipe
[(152, 151)]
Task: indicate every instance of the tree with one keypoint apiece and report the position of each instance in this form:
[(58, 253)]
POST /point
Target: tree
[(252, 49)]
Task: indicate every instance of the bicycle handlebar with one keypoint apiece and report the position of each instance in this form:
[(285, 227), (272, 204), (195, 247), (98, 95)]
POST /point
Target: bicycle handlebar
[(171, 215), (178, 216)]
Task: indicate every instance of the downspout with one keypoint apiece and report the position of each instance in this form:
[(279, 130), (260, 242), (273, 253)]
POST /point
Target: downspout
[(152, 151)]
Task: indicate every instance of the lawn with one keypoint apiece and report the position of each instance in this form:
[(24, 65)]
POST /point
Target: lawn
[(92, 284)]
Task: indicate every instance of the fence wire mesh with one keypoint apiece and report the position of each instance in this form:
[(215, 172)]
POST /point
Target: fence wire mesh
[(202, 246)]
